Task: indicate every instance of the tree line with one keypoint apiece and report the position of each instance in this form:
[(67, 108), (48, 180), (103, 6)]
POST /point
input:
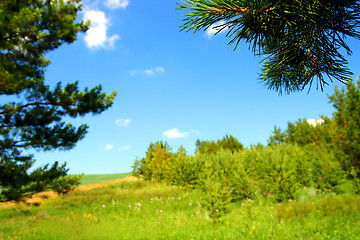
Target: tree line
[(324, 156)]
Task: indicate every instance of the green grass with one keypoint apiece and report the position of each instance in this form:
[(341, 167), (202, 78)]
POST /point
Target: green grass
[(145, 210), (97, 178)]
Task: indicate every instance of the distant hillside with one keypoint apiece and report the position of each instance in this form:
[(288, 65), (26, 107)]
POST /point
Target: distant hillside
[(97, 178)]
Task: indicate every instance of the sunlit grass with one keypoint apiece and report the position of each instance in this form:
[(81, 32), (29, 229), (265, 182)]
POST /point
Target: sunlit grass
[(96, 178), (145, 210)]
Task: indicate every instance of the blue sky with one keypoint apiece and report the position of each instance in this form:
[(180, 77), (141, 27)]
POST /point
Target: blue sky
[(172, 86)]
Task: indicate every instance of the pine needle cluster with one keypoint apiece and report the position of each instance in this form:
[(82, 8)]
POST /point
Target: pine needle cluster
[(301, 41)]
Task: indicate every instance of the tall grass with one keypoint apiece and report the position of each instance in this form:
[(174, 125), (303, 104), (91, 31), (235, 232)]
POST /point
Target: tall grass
[(148, 210)]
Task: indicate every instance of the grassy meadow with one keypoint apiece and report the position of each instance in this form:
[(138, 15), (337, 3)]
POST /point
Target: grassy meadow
[(137, 209), (97, 178)]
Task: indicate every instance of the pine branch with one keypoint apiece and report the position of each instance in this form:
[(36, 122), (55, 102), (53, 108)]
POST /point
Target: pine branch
[(37, 104), (299, 40)]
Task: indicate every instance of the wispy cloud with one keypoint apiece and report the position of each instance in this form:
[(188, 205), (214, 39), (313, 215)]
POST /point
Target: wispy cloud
[(108, 147), (121, 122), (115, 4), (96, 37), (148, 72), (124, 148), (152, 71), (176, 133), (212, 30)]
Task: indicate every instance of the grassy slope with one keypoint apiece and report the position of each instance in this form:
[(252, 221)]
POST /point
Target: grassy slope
[(143, 210), (97, 178)]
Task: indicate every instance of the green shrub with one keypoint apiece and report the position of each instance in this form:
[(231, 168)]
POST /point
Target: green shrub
[(186, 171), (279, 170), (221, 181), (66, 184)]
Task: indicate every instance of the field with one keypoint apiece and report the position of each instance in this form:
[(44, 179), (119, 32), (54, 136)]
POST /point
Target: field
[(136, 209), (98, 178)]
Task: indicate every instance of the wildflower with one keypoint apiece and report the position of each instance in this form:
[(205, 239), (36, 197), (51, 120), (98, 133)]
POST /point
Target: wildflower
[(197, 212), (199, 205), (129, 206), (157, 210), (161, 210), (151, 199), (187, 193), (103, 206), (139, 204), (255, 193), (305, 187), (179, 198), (189, 203), (217, 210), (172, 197), (242, 204)]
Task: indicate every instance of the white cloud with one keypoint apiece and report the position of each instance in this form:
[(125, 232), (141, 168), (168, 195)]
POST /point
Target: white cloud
[(114, 4), (120, 122), (96, 36), (315, 122), (148, 72), (124, 148), (108, 147), (152, 71), (212, 30), (176, 133), (111, 40), (133, 72)]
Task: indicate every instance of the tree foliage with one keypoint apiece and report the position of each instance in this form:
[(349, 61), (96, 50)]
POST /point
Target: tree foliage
[(33, 116), (341, 132), (346, 130), (228, 142), (157, 164), (301, 41)]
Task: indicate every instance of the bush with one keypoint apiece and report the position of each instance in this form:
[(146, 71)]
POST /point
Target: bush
[(280, 170), (222, 180), (66, 184)]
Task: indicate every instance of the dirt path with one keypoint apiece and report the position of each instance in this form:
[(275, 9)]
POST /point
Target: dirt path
[(40, 197)]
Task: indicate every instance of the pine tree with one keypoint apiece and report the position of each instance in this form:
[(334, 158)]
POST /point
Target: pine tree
[(301, 41), (32, 117), (346, 132), (278, 137)]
